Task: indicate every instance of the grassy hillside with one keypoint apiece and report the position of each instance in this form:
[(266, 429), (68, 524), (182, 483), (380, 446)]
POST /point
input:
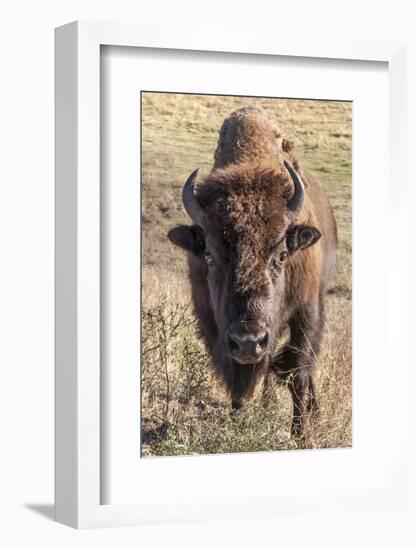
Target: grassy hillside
[(184, 410)]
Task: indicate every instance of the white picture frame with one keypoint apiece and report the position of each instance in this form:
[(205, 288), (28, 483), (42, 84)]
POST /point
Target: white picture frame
[(78, 404)]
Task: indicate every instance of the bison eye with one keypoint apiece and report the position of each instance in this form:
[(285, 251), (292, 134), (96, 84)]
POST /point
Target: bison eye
[(283, 256), (209, 258)]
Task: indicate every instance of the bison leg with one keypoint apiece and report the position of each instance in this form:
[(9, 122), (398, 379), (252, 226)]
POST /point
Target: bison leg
[(242, 383), (298, 363), (305, 404), (237, 394), (236, 404), (312, 403)]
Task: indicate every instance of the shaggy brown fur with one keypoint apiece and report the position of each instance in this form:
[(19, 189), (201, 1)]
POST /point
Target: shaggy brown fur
[(248, 135), (263, 269)]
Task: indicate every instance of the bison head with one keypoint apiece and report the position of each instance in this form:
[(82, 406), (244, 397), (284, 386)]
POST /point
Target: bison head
[(246, 237)]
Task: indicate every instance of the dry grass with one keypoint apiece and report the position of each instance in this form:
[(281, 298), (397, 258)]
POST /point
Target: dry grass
[(184, 409)]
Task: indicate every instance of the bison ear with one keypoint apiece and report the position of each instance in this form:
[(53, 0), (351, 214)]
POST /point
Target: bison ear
[(188, 237), (301, 236)]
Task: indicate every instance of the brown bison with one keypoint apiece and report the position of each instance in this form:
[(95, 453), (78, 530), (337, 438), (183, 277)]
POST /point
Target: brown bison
[(260, 253)]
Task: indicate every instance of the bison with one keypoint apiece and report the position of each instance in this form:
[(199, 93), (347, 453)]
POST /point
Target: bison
[(261, 249)]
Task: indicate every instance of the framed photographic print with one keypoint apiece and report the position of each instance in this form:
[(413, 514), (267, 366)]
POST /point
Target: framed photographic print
[(218, 284), (238, 293)]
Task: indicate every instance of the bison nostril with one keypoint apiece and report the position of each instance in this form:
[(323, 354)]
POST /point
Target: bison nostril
[(263, 340), (234, 343)]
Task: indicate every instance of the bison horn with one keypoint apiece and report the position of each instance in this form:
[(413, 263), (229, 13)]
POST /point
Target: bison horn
[(296, 201), (193, 209)]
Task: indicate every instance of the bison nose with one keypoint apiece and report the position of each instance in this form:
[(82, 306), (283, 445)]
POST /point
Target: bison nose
[(247, 347)]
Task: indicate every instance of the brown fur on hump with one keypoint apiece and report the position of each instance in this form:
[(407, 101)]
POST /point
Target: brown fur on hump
[(246, 211), (246, 135), (249, 135)]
